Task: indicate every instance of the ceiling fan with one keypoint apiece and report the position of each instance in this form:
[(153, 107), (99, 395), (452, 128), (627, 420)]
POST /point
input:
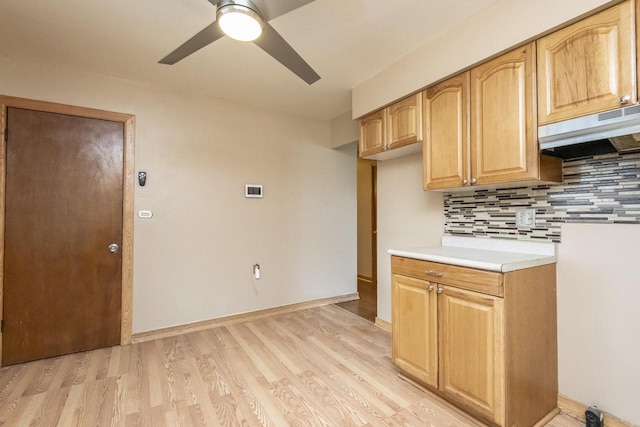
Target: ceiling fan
[(247, 20)]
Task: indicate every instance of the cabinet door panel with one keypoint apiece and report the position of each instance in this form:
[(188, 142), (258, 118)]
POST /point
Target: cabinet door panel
[(504, 144), (471, 357), (587, 67), (446, 136), (372, 134), (404, 122), (414, 326)]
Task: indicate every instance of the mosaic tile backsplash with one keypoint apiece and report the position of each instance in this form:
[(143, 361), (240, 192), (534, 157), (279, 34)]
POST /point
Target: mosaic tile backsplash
[(600, 189)]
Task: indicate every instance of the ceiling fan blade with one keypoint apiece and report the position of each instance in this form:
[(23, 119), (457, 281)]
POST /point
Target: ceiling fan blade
[(271, 9), (273, 43), (205, 37)]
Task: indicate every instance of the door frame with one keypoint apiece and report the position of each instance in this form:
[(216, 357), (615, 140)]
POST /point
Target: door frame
[(128, 185)]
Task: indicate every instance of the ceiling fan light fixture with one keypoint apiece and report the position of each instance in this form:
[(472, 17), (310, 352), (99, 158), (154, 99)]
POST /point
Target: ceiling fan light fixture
[(239, 22)]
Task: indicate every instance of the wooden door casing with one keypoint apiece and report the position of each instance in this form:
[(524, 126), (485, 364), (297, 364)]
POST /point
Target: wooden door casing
[(127, 194), (587, 67)]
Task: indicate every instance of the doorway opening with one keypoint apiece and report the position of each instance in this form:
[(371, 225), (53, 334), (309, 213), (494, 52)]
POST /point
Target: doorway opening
[(367, 305)]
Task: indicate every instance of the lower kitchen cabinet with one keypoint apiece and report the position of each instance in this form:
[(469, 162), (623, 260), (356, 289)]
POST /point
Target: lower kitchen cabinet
[(484, 341), (415, 336)]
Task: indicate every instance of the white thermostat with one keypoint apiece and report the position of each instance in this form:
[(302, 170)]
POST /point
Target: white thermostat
[(253, 191)]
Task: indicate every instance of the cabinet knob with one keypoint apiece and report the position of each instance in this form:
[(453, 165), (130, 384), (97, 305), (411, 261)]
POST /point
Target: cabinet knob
[(439, 290), (430, 288), (473, 180), (625, 99), (465, 182)]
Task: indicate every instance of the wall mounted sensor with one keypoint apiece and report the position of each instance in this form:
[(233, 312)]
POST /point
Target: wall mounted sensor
[(142, 178), (256, 271)]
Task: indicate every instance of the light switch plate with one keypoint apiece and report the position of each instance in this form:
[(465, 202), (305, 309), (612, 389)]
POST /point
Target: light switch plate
[(526, 218), (145, 214)]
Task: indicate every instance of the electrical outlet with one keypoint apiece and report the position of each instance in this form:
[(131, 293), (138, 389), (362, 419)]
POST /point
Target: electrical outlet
[(526, 218)]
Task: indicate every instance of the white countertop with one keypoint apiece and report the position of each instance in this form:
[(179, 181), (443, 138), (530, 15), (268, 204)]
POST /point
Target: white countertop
[(485, 254)]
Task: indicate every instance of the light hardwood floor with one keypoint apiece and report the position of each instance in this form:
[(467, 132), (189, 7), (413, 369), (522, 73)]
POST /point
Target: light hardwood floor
[(317, 367)]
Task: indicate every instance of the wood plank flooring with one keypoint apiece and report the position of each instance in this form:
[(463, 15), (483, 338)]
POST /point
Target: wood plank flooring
[(316, 367), (365, 307)]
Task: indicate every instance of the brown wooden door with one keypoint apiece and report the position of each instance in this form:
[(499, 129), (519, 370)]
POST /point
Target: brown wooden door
[(62, 285)]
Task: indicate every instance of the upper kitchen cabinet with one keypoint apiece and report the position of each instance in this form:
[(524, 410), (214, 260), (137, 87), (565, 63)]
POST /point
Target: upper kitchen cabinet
[(372, 134), (504, 144), (588, 67), (445, 148), (394, 131)]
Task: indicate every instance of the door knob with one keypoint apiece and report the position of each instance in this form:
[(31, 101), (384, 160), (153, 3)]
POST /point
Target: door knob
[(113, 248)]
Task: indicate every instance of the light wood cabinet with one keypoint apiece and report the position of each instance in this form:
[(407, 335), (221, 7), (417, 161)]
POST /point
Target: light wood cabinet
[(480, 127), (588, 67), (504, 143), (397, 127), (415, 332), (446, 148), (372, 134), (484, 341), (471, 343)]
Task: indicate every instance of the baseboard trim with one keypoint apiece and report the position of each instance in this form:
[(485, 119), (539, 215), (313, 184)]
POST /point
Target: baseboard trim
[(545, 420), (383, 324), (576, 409), (365, 282), (236, 318)]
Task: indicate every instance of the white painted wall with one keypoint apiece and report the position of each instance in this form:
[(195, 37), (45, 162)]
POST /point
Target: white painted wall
[(193, 260), (599, 316), (502, 25), (597, 268), (344, 130), (407, 217)]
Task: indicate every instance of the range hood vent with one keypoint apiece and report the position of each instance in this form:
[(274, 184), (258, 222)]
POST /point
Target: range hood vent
[(608, 132)]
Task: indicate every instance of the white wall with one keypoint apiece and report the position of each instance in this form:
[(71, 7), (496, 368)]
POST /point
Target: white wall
[(500, 26), (193, 260), (407, 217), (606, 374), (344, 130), (599, 316)]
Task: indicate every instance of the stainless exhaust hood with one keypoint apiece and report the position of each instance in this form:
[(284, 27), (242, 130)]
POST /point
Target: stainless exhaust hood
[(608, 132)]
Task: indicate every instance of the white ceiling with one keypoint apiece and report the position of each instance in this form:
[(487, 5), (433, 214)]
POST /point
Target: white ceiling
[(345, 41)]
